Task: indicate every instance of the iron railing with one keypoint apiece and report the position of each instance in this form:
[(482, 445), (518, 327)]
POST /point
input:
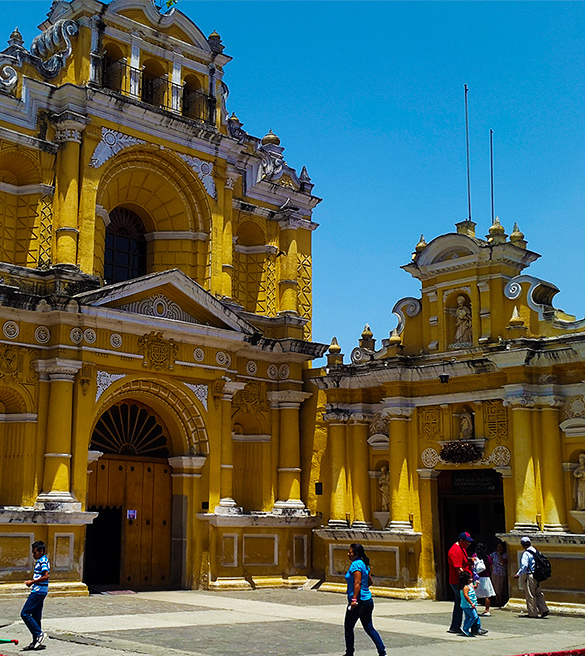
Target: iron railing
[(157, 91)]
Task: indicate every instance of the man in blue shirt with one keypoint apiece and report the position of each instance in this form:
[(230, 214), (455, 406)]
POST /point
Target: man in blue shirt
[(535, 602), (32, 610)]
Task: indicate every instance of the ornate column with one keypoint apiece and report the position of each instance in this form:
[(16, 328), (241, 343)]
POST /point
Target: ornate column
[(398, 413), (521, 405), (359, 470), (68, 129), (227, 504), (553, 492), (289, 461), (336, 427), (57, 470), (288, 282), (227, 264)]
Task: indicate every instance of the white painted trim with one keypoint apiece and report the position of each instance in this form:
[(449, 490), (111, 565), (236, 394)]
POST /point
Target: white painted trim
[(240, 437), (305, 562), (71, 537), (23, 417), (27, 190), (178, 234), (246, 536), (380, 548), (254, 250)]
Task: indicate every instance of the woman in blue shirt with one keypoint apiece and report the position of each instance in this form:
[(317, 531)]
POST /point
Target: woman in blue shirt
[(361, 604)]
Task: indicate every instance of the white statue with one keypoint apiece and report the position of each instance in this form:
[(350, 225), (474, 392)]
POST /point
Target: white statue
[(466, 429), (384, 484), (463, 332), (579, 474)]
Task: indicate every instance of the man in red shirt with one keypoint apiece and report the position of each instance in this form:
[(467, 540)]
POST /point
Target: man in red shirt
[(458, 562)]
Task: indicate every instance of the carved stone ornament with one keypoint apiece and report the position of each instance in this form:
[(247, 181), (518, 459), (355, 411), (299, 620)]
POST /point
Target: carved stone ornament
[(378, 425), (53, 47), (8, 78), (430, 458), (200, 392), (252, 398), (86, 376), (272, 371), (430, 422), (204, 170), (159, 306), (111, 144), (158, 353), (116, 340), (104, 380), (10, 329), (574, 407), (500, 457), (42, 334), (76, 335), (283, 371), (251, 368), (199, 354)]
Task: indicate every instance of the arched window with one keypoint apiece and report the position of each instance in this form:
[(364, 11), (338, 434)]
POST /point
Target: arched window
[(155, 86), (125, 256), (195, 100), (114, 69)]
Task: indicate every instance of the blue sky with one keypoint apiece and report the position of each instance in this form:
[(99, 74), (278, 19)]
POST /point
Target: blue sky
[(369, 96)]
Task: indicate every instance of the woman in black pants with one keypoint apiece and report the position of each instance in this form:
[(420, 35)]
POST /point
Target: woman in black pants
[(361, 604)]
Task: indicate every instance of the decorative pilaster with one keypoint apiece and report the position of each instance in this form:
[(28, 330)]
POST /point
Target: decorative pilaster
[(336, 428), (555, 512), (398, 412), (227, 266), (57, 466), (521, 405), (360, 479), (288, 269), (68, 129), (289, 463), (227, 505)]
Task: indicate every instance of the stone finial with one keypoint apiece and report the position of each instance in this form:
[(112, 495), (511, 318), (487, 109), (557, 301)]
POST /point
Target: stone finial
[(517, 237), (16, 38), (496, 233), (335, 356), (304, 177), (516, 319), (394, 338), (422, 244), (270, 138), (215, 43), (367, 341), (466, 227)]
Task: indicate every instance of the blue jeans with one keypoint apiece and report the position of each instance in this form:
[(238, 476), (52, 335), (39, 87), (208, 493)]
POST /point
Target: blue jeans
[(457, 615), (32, 612), (471, 619), (363, 612)]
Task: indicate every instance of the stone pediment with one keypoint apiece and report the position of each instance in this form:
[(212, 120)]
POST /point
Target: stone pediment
[(169, 295)]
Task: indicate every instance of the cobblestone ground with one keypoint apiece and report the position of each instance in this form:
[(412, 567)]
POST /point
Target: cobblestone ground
[(270, 622)]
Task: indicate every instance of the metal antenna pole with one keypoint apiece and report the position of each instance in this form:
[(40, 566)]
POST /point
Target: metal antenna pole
[(492, 174), (467, 144)]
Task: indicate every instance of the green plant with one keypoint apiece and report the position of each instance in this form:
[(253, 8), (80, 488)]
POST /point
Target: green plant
[(460, 451)]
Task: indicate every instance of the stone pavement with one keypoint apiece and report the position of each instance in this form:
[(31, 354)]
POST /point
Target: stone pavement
[(270, 622)]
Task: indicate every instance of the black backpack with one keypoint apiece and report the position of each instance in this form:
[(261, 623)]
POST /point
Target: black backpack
[(542, 566)]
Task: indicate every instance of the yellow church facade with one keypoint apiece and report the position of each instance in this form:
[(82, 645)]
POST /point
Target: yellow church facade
[(470, 416), (160, 422), (155, 315)]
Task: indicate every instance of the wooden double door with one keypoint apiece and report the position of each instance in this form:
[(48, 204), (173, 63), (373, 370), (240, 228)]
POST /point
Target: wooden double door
[(129, 543)]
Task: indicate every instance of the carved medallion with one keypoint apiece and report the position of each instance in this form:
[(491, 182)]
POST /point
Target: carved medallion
[(158, 353)]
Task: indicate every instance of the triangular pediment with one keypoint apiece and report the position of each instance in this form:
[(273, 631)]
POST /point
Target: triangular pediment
[(169, 295)]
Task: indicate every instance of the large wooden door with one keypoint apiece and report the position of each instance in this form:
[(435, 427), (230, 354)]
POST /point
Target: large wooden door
[(132, 494), (141, 489)]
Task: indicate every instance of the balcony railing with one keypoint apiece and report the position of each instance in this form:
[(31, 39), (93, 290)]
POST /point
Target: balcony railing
[(157, 91)]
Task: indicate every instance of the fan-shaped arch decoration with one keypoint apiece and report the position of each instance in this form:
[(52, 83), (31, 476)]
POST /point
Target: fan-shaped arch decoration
[(130, 429)]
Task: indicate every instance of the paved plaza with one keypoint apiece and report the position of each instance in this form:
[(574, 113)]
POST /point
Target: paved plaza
[(270, 622)]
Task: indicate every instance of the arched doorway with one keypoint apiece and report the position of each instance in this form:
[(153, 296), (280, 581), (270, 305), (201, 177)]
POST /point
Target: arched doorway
[(129, 543)]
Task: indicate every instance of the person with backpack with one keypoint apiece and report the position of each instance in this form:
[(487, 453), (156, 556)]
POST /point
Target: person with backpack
[(531, 567)]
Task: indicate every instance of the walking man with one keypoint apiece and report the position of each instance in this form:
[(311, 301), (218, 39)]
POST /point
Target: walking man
[(32, 610), (458, 562), (535, 602)]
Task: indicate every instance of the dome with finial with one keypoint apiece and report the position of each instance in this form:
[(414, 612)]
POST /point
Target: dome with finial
[(367, 334), (496, 228), (16, 38), (270, 138), (214, 35), (422, 244), (334, 347), (516, 234)]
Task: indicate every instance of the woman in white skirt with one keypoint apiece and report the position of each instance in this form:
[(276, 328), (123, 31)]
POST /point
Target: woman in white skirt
[(482, 566)]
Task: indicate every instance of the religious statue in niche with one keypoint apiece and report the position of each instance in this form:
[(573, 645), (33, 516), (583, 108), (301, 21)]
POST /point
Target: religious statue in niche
[(384, 485), (579, 474), (466, 425), (462, 313)]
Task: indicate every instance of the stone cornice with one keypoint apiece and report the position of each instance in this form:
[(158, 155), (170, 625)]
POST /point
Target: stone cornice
[(58, 369)]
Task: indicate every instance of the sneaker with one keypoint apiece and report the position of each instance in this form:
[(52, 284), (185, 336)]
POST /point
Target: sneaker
[(29, 647), (486, 613), (546, 612), (39, 641), (455, 631), (482, 631), (467, 633)]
